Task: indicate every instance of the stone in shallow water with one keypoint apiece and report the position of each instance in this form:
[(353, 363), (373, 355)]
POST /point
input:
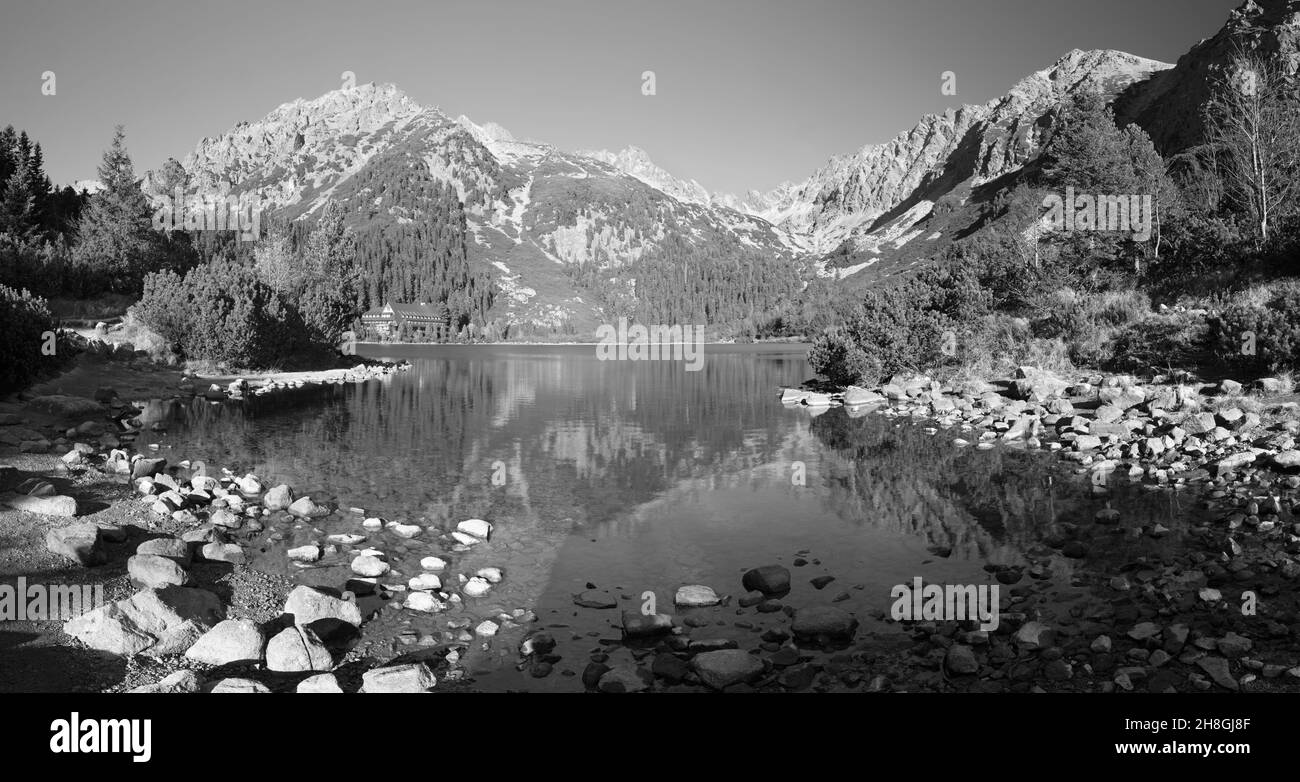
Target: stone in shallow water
[(476, 527), (308, 605), (725, 667), (370, 566), (824, 621), (407, 531), (278, 498), (424, 601), (595, 598), (638, 625), (695, 595), (433, 563), (308, 553), (768, 579), (425, 581), (623, 678), (476, 587)]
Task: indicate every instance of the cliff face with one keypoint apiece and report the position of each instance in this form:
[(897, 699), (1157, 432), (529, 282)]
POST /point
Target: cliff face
[(1168, 105)]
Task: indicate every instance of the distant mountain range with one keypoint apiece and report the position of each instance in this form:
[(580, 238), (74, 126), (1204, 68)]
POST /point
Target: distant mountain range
[(534, 210)]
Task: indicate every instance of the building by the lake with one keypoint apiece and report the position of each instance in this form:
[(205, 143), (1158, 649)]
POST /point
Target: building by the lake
[(409, 322)]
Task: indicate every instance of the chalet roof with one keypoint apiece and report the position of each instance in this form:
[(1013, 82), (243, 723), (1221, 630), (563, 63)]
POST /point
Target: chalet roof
[(399, 311)]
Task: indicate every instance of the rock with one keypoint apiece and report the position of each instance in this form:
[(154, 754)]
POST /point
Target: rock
[(146, 468), (433, 563), (174, 549), (296, 649), (695, 595), (321, 682), (424, 582), (824, 621), (249, 484), (235, 684), (768, 579), (224, 518), (78, 542), (487, 628), (307, 508), (57, 505), (407, 677), (155, 571), (1233, 462), (960, 660), (492, 575), (476, 527), (1035, 635), (424, 601), (231, 641), (231, 553), (638, 625), (278, 498), (308, 553), (407, 531), (1144, 630), (1233, 646), (180, 681), (623, 678), (1287, 460), (1229, 388), (595, 598), (156, 621), (725, 667), (369, 566), (308, 605), (476, 587), (1218, 671)]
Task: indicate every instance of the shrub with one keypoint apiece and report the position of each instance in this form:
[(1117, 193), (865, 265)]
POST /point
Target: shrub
[(1261, 336), (24, 321), (222, 313), (835, 355)]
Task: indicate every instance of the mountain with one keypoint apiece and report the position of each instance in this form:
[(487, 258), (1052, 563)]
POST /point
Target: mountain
[(881, 200), (1168, 105), (536, 215), (564, 234)]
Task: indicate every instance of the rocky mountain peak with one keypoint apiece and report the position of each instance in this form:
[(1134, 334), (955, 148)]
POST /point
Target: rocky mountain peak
[(636, 162)]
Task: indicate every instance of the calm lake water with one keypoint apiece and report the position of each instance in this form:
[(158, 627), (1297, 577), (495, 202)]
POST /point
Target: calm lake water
[(640, 477)]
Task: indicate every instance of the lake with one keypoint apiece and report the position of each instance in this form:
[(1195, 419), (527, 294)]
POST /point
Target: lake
[(640, 477)]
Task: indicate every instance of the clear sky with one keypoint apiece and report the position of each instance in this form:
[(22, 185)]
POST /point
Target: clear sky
[(749, 92)]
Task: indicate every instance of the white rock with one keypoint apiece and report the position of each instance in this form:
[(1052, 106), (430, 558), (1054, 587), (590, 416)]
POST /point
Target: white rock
[(424, 601), (695, 595), (369, 566), (425, 581), (487, 628), (465, 540), (249, 484), (476, 527), (476, 587), (346, 539), (373, 523), (406, 530), (308, 553), (433, 563), (491, 574)]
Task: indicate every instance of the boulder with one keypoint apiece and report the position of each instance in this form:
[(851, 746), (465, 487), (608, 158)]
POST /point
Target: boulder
[(153, 621), (308, 605), (278, 498), (78, 542), (307, 508), (56, 505), (768, 579), (638, 625), (406, 677), (172, 548), (824, 622), (236, 684), (475, 527), (152, 570), (296, 649), (231, 641), (695, 595), (725, 667), (320, 683)]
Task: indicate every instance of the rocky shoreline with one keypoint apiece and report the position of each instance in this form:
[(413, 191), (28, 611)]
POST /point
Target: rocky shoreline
[(1159, 621), (1218, 612)]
